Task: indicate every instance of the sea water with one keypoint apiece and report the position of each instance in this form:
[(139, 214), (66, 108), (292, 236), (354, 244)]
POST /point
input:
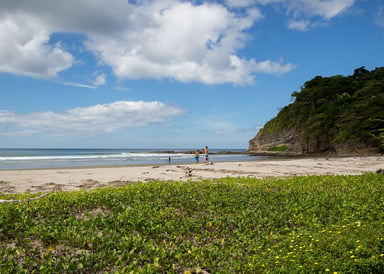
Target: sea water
[(61, 158)]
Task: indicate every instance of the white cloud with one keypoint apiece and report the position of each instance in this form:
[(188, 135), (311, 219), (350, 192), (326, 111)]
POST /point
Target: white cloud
[(170, 39), (240, 3), (100, 79), (301, 13), (78, 85), (24, 48), (302, 25), (326, 9), (89, 120), (163, 39), (274, 67), (307, 14), (172, 43)]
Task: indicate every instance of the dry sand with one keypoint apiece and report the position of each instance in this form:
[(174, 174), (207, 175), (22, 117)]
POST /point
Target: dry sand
[(43, 180)]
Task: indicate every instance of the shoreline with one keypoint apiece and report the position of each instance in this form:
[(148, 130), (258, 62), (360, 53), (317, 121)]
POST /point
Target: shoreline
[(77, 178), (164, 163), (84, 158)]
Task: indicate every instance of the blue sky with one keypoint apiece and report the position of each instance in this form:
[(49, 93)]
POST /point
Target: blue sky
[(169, 73)]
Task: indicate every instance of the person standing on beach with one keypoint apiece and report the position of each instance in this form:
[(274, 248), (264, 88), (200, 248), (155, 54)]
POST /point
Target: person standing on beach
[(197, 156), (206, 155)]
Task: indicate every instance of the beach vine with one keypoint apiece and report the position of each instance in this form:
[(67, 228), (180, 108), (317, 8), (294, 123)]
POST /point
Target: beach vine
[(232, 225)]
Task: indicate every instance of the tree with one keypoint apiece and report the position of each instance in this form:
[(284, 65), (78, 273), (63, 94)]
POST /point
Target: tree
[(359, 72)]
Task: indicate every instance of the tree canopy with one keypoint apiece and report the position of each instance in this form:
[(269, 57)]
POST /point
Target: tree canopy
[(337, 109)]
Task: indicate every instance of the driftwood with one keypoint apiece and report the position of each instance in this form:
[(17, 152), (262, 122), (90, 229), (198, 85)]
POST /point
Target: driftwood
[(26, 200), (188, 172)]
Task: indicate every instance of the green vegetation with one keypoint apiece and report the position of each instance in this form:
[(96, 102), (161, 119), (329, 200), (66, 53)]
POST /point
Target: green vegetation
[(278, 148), (301, 224), (336, 110)]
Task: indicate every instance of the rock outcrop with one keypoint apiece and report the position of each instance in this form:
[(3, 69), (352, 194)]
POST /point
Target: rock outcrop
[(286, 139), (291, 142)]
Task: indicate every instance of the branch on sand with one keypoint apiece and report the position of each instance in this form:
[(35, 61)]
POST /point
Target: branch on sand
[(26, 200)]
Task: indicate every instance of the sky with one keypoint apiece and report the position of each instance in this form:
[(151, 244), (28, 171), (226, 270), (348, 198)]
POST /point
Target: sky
[(169, 73)]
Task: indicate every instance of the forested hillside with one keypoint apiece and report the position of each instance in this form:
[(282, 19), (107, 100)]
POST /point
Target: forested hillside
[(339, 114)]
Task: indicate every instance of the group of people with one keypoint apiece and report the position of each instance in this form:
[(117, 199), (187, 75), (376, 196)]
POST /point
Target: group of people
[(197, 156)]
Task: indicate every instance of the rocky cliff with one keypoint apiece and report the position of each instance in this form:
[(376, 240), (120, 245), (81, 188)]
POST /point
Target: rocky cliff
[(291, 142), (341, 115), (282, 142)]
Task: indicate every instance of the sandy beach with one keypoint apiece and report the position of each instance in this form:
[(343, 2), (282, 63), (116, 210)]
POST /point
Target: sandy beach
[(46, 180)]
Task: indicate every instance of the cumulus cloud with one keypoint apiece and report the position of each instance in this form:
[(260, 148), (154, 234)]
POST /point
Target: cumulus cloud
[(162, 39), (24, 48), (302, 14), (172, 43), (89, 120), (170, 39)]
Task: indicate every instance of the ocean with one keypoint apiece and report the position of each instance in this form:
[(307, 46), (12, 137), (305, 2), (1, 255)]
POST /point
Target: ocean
[(63, 158)]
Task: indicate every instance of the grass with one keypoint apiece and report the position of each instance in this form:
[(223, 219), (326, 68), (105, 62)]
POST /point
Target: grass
[(281, 148), (308, 224)]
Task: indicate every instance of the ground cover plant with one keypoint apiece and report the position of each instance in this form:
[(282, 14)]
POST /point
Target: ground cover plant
[(233, 225)]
